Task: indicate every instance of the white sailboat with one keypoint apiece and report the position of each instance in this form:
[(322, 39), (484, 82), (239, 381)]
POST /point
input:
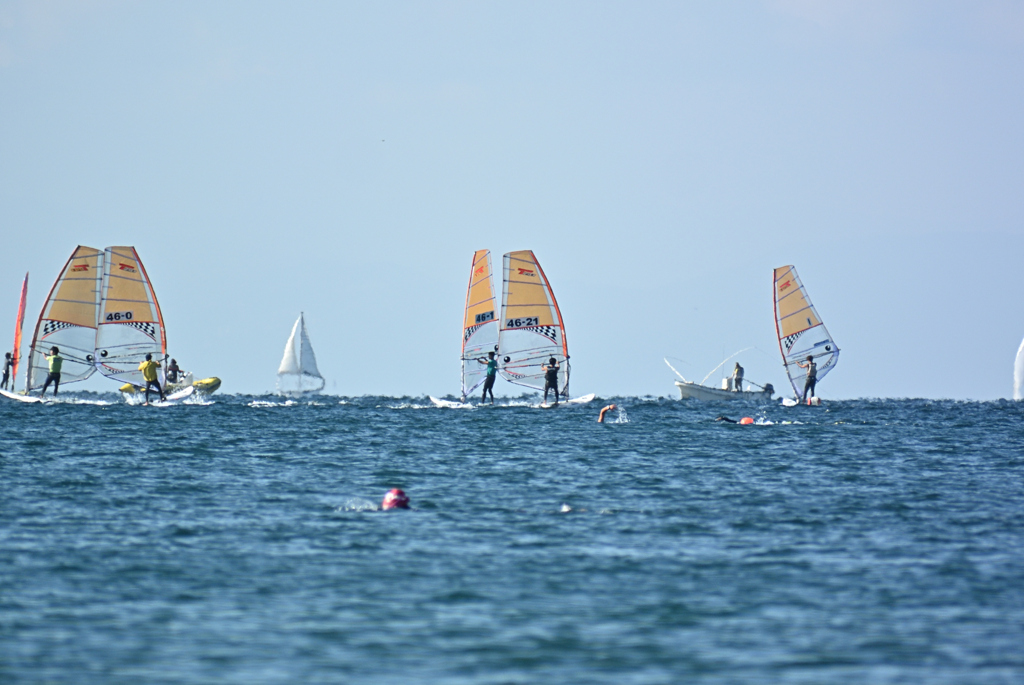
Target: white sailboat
[(800, 331), (298, 373)]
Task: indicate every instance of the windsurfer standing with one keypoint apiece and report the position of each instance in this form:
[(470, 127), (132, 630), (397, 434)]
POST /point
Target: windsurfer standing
[(7, 369), (550, 378), (54, 361), (148, 369), (812, 376), (492, 372)]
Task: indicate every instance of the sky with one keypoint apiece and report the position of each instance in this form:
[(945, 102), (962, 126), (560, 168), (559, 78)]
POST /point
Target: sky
[(660, 158)]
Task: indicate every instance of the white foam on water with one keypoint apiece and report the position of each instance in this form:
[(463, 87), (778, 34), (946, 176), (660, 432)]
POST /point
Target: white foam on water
[(265, 404), (621, 417), (356, 504)]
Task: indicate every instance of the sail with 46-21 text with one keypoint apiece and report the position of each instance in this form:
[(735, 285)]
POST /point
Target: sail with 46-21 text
[(531, 330)]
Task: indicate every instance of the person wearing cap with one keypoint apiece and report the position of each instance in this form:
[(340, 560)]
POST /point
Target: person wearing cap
[(492, 372), (148, 369), (550, 378), (605, 410), (173, 371), (395, 499), (812, 376), (54, 362)]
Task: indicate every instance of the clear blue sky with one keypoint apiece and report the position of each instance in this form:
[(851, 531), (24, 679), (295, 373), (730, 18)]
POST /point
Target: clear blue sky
[(661, 158)]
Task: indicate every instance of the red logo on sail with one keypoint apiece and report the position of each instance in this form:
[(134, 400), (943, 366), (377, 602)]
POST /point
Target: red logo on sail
[(526, 272), (785, 285), (479, 271), (79, 267), (130, 268)]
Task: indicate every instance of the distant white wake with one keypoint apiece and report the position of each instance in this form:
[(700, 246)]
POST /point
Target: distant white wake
[(1018, 374)]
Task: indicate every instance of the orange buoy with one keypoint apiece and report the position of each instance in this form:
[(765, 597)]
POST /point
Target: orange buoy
[(746, 421)]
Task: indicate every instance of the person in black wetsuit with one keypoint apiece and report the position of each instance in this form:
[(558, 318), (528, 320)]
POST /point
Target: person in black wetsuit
[(812, 376), (173, 371), (7, 370), (492, 372), (550, 378)]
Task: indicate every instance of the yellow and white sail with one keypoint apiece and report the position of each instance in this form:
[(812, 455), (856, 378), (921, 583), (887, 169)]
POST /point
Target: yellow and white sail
[(480, 323), (68, 320), (800, 330), (531, 330), (130, 324)]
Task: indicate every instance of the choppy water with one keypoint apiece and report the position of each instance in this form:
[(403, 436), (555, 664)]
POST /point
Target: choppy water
[(240, 542)]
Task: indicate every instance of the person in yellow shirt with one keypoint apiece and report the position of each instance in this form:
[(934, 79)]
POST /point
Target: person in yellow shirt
[(54, 362), (148, 369)]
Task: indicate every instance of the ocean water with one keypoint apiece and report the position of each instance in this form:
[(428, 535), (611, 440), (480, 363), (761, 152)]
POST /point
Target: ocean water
[(241, 541)]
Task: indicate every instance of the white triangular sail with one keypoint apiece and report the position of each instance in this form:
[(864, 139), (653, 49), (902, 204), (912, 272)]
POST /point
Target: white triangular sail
[(800, 330), (130, 323), (531, 330), (480, 323), (298, 373), (1018, 374), (68, 320)]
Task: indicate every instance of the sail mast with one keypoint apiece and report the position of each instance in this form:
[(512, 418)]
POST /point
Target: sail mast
[(19, 324)]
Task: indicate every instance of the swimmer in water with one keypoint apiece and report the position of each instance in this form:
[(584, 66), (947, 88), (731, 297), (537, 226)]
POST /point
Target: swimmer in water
[(745, 421), (600, 417), (395, 499)]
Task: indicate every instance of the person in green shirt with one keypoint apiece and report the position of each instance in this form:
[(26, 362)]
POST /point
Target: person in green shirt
[(55, 361), (492, 372), (149, 373)]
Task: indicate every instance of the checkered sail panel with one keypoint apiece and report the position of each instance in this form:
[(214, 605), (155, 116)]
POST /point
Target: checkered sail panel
[(800, 330), (68, 320), (531, 331), (130, 323)]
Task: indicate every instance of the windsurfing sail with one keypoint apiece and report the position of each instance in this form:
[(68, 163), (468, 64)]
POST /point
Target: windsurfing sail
[(531, 329), (19, 323), (480, 325), (130, 323), (1018, 374), (298, 373), (800, 330), (68, 320)]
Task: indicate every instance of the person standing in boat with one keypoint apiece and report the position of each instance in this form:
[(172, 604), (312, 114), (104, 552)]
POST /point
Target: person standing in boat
[(812, 376), (54, 362), (7, 370), (550, 378), (149, 373), (737, 378), (492, 372)]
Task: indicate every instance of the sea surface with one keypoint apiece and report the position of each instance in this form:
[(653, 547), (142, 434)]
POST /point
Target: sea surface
[(240, 540)]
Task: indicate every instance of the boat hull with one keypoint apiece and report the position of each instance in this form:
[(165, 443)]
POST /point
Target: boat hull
[(702, 392), (206, 386)]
